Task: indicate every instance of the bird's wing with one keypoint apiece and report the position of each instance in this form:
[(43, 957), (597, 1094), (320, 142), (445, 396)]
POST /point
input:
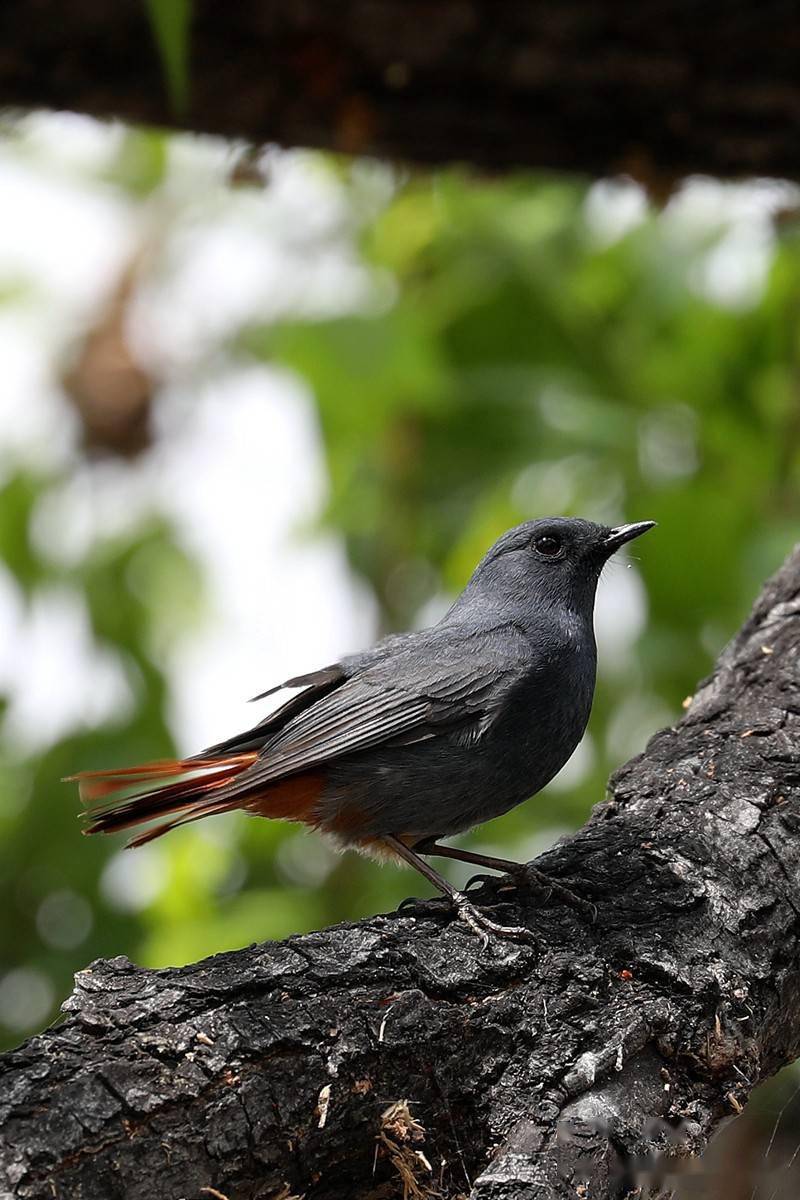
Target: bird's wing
[(324, 678), (426, 688), (315, 685)]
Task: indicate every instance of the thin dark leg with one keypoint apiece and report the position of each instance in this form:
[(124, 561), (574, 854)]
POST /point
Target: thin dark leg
[(522, 872), (505, 865), (467, 912)]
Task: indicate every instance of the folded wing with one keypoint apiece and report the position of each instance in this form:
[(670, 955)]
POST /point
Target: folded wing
[(419, 692)]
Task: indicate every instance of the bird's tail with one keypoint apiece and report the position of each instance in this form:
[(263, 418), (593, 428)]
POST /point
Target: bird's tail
[(179, 790)]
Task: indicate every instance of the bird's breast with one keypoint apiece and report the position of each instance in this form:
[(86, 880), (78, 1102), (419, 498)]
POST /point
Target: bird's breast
[(543, 720)]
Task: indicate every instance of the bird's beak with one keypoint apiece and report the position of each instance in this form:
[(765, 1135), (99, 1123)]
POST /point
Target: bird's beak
[(625, 533)]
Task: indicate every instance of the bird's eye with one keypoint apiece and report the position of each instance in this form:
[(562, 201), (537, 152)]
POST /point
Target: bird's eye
[(548, 545)]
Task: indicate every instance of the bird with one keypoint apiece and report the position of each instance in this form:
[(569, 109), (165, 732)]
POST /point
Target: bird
[(421, 737)]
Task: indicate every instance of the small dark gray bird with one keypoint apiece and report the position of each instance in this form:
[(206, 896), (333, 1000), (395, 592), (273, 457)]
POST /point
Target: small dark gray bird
[(421, 737)]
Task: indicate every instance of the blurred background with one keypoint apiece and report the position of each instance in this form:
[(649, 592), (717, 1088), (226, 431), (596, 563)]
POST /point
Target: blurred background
[(257, 410)]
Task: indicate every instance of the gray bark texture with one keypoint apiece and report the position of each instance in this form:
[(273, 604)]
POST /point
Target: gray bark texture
[(399, 1057), (659, 88)]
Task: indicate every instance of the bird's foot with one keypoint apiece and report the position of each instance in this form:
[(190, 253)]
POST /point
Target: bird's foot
[(476, 882), (483, 926), (531, 877), (474, 917)]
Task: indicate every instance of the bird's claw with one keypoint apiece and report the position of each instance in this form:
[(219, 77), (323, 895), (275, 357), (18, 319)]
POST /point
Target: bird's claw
[(476, 882), (420, 904), (483, 926), (534, 878), (502, 884)]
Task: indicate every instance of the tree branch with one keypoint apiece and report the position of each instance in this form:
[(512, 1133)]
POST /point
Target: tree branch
[(323, 1065), (582, 86)]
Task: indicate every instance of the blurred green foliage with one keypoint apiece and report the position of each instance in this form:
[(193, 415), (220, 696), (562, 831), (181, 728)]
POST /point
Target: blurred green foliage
[(515, 360), (170, 21)]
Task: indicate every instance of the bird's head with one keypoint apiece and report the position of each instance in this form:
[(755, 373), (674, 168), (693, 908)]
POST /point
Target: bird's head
[(550, 562)]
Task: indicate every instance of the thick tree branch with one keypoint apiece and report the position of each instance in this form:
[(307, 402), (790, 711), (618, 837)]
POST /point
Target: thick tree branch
[(313, 1066), (651, 88)]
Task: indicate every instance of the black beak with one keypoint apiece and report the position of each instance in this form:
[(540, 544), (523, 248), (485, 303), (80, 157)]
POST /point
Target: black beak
[(625, 533)]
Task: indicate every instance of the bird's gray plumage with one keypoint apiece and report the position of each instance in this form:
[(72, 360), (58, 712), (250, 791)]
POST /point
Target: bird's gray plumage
[(426, 734)]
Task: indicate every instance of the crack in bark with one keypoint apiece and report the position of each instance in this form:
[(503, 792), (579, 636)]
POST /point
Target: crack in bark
[(792, 882)]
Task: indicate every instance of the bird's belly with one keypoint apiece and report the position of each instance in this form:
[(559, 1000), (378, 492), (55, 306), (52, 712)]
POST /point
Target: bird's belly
[(449, 783)]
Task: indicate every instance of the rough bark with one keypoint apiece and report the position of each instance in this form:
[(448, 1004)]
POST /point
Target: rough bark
[(657, 88), (312, 1067)]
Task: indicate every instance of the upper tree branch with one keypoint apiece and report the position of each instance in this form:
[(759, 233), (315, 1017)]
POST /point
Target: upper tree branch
[(654, 88), (270, 1068)]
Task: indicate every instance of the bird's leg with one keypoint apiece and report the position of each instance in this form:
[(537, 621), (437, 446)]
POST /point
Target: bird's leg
[(523, 873), (477, 921)]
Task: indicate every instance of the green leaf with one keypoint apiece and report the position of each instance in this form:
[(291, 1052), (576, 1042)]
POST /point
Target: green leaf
[(18, 499), (170, 21)]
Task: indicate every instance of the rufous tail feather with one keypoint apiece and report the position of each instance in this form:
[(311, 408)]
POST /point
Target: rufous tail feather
[(181, 790)]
